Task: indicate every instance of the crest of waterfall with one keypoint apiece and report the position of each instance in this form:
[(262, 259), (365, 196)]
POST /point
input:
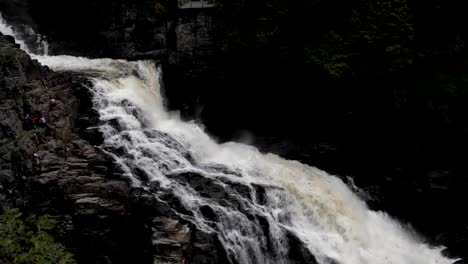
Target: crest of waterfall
[(258, 204)]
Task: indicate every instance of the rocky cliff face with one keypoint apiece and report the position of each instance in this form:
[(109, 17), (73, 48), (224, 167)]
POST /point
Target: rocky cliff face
[(98, 214), (182, 40)]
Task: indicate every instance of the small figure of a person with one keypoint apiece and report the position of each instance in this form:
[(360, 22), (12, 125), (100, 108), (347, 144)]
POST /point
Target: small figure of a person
[(35, 122), (42, 122), (36, 159), (52, 104), (36, 163), (27, 122)]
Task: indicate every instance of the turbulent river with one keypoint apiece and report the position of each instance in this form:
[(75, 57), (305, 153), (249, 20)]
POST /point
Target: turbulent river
[(260, 200)]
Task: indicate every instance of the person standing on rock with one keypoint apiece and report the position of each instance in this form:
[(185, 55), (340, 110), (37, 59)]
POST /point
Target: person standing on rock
[(36, 159), (36, 163), (42, 122), (52, 104), (27, 122), (35, 122)]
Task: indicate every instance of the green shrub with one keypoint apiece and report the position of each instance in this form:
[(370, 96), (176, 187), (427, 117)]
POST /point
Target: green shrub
[(27, 240), (8, 57)]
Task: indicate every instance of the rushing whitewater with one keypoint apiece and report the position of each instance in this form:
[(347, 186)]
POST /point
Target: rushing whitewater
[(261, 200)]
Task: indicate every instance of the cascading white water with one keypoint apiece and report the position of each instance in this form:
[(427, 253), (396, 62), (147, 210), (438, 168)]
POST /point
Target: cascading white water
[(251, 187), (40, 44)]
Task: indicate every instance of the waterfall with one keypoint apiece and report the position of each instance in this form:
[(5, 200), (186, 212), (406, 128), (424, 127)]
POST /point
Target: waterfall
[(258, 204), (29, 41)]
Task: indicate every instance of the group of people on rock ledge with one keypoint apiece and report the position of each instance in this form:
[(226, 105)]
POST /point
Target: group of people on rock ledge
[(34, 121), (37, 119)]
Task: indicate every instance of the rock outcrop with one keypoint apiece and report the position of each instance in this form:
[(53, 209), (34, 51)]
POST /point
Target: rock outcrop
[(71, 180), (98, 214)]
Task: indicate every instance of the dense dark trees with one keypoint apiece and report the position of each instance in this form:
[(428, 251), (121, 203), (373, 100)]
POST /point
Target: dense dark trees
[(382, 81), (392, 70)]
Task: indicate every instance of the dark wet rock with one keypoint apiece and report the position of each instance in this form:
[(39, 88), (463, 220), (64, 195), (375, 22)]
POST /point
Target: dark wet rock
[(299, 253), (207, 249), (121, 151), (114, 123), (260, 194), (171, 237), (154, 186), (93, 135), (169, 142), (205, 186), (10, 39), (208, 213), (175, 203), (219, 168), (141, 174), (456, 243)]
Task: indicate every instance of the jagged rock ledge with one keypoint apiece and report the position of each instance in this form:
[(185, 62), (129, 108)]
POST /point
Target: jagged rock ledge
[(98, 214)]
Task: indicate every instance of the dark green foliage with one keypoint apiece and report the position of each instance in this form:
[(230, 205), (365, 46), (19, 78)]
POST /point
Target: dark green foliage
[(376, 41), (28, 241), (383, 48), (11, 56), (253, 28), (8, 57), (149, 7)]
